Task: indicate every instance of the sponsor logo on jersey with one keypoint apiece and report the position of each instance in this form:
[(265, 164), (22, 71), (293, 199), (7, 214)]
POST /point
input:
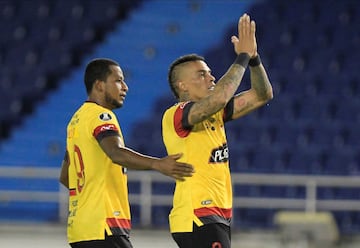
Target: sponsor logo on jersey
[(220, 154), (107, 127), (104, 128), (105, 117), (206, 202)]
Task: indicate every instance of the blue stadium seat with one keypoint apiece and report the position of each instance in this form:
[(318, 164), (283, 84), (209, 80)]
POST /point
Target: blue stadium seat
[(351, 88), (247, 190), (324, 135), (135, 214), (42, 32), (134, 187), (241, 157), (266, 159), (290, 135), (37, 9), (249, 133), (62, 52), (274, 191), (278, 110), (8, 27), (347, 221), (29, 184), (339, 162), (296, 192), (15, 56), (163, 188), (347, 111), (160, 216), (303, 162), (316, 109), (253, 218), (35, 212), (352, 140)]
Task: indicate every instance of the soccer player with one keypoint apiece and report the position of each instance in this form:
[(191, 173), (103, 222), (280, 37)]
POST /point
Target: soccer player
[(202, 205), (95, 163)]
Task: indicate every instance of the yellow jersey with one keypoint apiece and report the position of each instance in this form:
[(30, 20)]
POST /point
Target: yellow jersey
[(98, 200), (206, 197)]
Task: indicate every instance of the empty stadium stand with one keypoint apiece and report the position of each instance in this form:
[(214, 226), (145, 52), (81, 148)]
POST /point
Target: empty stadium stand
[(41, 42)]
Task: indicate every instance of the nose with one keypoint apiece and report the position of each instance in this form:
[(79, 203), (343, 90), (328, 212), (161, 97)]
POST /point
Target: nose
[(124, 86), (212, 78)]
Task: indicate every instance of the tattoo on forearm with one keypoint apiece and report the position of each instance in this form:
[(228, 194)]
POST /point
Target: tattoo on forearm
[(260, 82), (232, 80), (225, 89)]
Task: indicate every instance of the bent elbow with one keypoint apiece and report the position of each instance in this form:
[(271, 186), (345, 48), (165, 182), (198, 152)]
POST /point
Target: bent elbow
[(266, 96), (269, 94)]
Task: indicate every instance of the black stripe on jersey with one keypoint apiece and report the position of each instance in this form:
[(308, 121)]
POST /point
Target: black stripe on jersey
[(229, 110), (185, 118), (105, 134), (215, 219), (120, 231)]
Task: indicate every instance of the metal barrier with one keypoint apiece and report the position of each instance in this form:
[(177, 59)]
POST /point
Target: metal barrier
[(146, 199)]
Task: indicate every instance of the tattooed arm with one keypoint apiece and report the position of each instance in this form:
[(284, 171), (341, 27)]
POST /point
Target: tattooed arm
[(225, 88), (223, 91), (260, 93)]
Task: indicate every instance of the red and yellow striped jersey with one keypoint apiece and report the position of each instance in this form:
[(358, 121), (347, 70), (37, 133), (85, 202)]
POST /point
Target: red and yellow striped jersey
[(98, 188), (206, 197)]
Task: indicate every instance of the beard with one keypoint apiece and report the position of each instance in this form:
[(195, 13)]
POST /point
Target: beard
[(112, 102)]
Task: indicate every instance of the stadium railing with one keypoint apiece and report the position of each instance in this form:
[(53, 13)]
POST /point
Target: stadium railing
[(146, 199)]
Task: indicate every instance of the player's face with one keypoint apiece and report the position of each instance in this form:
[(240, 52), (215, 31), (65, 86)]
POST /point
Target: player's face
[(197, 80), (115, 88)]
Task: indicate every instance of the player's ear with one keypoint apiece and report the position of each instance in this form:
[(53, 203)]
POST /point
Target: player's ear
[(99, 85), (182, 86)]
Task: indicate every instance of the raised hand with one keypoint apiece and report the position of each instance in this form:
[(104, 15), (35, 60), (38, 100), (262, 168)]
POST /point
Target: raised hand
[(246, 40)]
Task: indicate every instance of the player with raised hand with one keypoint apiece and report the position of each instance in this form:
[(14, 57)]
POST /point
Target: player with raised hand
[(202, 205)]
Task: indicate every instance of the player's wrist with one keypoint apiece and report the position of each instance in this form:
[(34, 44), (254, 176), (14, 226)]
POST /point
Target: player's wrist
[(255, 61), (242, 59), (153, 164)]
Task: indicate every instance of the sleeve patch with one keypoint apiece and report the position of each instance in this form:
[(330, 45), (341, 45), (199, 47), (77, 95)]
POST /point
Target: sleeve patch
[(105, 116), (109, 127)]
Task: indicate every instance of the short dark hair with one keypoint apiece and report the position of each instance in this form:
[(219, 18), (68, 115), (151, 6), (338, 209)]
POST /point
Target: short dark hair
[(173, 70), (97, 69)]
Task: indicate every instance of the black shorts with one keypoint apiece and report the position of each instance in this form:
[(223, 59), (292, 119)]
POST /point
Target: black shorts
[(116, 241), (207, 236)]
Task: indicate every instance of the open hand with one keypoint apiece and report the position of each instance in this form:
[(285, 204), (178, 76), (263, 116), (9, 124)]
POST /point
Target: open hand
[(246, 40), (169, 166)]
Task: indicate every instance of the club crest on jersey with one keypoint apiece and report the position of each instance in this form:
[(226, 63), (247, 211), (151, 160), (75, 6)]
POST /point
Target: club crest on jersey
[(220, 154), (105, 117)]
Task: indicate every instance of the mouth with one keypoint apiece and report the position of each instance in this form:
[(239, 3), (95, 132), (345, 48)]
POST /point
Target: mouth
[(211, 87)]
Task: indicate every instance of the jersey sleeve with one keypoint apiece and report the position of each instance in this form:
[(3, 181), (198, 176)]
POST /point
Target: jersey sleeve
[(181, 120), (228, 110), (104, 125)]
